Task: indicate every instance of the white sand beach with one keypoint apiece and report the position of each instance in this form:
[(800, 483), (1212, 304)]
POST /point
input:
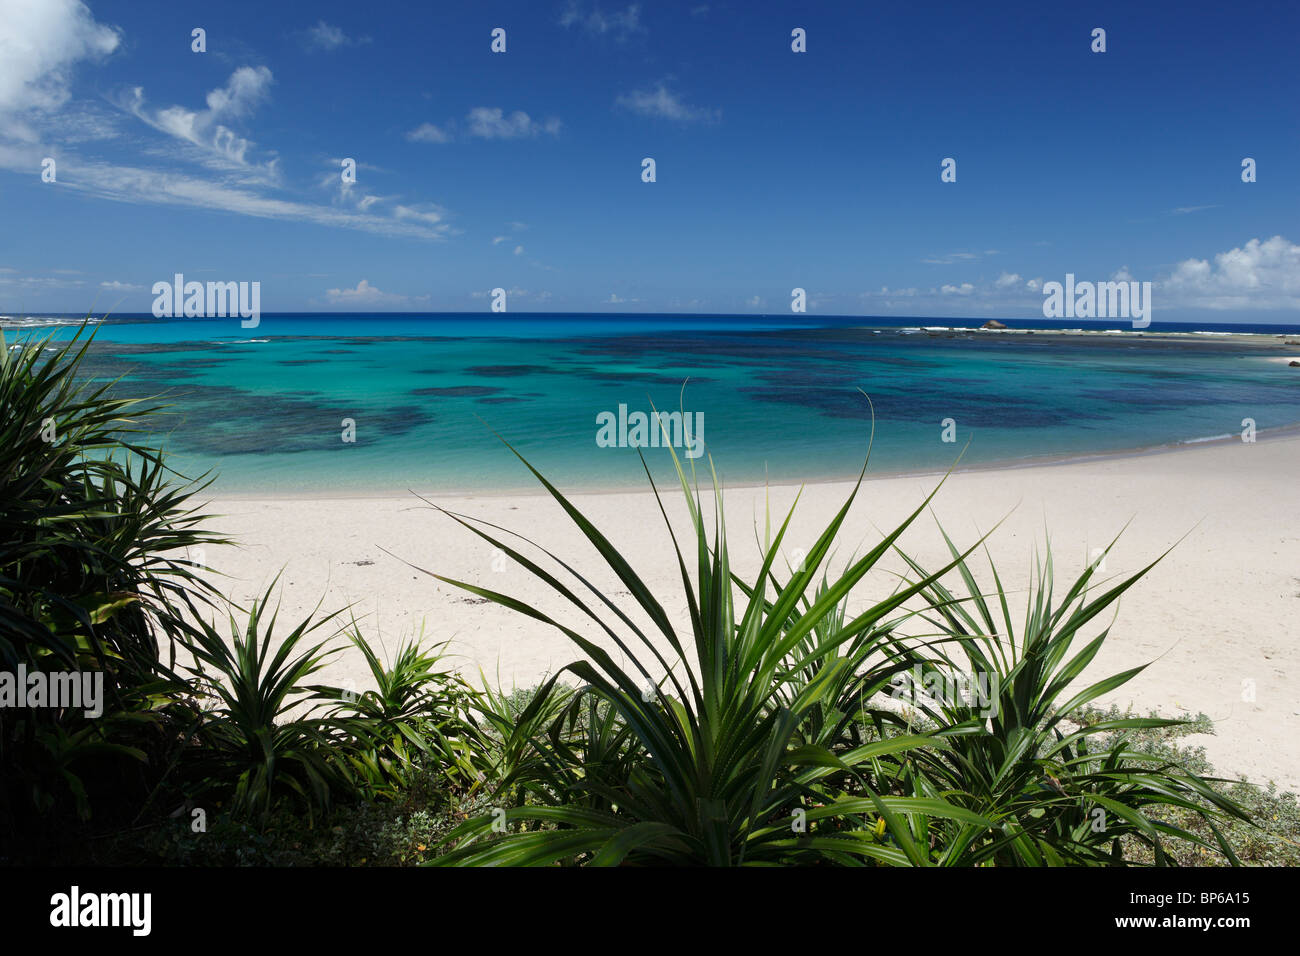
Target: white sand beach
[(1216, 619)]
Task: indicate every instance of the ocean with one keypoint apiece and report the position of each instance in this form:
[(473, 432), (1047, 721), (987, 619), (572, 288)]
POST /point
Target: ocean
[(357, 403)]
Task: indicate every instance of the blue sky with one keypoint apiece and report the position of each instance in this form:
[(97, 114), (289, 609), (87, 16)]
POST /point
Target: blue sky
[(775, 169)]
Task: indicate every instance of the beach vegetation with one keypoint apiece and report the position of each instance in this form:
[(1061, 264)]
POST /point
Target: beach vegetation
[(762, 738), (766, 730)]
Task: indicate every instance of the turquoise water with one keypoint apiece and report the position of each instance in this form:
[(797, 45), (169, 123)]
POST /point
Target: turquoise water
[(264, 407)]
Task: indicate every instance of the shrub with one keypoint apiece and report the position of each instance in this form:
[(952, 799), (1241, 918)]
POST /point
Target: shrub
[(760, 744), (418, 719), (94, 529)]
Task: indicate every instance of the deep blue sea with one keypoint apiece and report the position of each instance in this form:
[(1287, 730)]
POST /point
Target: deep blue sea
[(779, 397)]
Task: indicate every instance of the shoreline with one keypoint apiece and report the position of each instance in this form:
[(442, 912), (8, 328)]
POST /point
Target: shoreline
[(1214, 618), (1262, 436)]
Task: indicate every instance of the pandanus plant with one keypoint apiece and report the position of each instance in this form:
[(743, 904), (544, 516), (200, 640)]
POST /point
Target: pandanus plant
[(1064, 789), (748, 750)]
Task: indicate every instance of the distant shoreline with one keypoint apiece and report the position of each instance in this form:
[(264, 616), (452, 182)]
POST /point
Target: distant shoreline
[(1262, 436), (916, 324)]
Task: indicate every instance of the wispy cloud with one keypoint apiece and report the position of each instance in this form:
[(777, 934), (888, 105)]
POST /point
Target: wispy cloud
[(954, 257), (206, 129), (42, 43), (133, 184), (327, 37), (492, 123), (514, 293), (1184, 210), (661, 102), (428, 133), (426, 213), (487, 122), (618, 24), (52, 282)]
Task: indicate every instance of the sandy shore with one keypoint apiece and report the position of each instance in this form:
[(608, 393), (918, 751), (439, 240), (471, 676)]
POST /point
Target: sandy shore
[(1217, 618)]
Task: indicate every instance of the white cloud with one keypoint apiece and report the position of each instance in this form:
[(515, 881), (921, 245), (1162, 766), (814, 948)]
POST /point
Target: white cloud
[(1184, 210), (428, 213), (619, 24), (886, 291), (349, 194), (207, 129), (1006, 280), (519, 250), (366, 294), (964, 289), (428, 133), (514, 293), (116, 286), (663, 103), (363, 293), (41, 43), (41, 282), (1262, 274), (497, 240), (952, 257), (327, 37), (68, 126), (137, 185), (1034, 285), (489, 122)]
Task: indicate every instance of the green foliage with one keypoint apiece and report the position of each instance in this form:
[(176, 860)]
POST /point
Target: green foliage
[(761, 744), (1022, 758), (404, 832), (272, 737), (419, 716), (517, 724), (254, 749), (1271, 838), (730, 758), (94, 530), (91, 524)]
